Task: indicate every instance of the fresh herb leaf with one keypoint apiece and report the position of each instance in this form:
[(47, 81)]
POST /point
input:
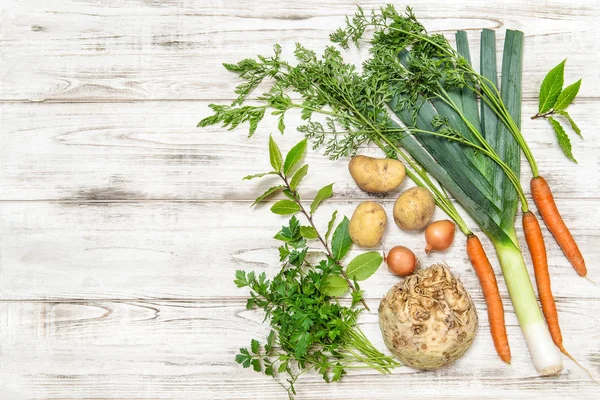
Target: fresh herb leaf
[(240, 278), (334, 286), (310, 330), (254, 346), (291, 232), (243, 358), (285, 207), (308, 232), (281, 123), (275, 155), (551, 87), (330, 225), (270, 191), (341, 240), (573, 124), (566, 97), (298, 176), (248, 177), (364, 265), (563, 140), (294, 156), (256, 364), (289, 194), (232, 117), (323, 194)]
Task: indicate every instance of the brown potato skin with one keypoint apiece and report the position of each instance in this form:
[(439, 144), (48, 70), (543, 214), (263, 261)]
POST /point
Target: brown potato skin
[(376, 175), (367, 224), (414, 208)]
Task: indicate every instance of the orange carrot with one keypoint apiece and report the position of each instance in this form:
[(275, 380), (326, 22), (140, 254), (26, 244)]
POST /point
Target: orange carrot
[(542, 196), (537, 249), (487, 280)]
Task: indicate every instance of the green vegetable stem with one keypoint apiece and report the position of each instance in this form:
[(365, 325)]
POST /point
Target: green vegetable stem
[(311, 329)]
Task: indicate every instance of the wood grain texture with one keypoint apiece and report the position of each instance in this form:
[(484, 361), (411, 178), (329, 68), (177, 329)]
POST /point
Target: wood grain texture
[(122, 224), (123, 50), (168, 350), (117, 152), (148, 250)]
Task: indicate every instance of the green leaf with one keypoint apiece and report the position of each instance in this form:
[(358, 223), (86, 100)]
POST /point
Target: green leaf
[(341, 241), (563, 139), (298, 176), (364, 265), (334, 286), (323, 194), (289, 194), (294, 156), (240, 278), (270, 191), (551, 87), (256, 365), (281, 124), (308, 232), (284, 207), (248, 177), (243, 358), (573, 124), (566, 97), (275, 155), (254, 346), (330, 225)]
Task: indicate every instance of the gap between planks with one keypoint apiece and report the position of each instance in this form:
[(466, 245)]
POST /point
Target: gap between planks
[(192, 201), (477, 297), (580, 99)]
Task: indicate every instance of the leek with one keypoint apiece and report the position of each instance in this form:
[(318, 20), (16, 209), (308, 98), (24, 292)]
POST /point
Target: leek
[(470, 152)]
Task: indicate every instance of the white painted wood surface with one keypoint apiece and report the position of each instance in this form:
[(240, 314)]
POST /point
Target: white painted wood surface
[(121, 224)]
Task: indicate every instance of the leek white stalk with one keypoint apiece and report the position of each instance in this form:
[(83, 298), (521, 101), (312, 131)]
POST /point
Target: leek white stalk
[(545, 355)]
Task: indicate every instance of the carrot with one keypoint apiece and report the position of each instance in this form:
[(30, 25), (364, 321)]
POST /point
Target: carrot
[(542, 196), (537, 249), (487, 280)]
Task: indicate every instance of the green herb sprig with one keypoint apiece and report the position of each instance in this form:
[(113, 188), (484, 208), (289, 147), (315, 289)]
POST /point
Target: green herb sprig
[(311, 329), (554, 101)]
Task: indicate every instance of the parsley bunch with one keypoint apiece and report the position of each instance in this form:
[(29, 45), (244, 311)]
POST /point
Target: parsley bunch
[(311, 329)]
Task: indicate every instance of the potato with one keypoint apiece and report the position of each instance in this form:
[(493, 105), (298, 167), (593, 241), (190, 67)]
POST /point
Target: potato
[(376, 175), (413, 209), (367, 224)]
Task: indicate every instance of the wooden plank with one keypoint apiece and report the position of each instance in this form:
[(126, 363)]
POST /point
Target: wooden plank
[(183, 250), (116, 50), (142, 151), (168, 350)]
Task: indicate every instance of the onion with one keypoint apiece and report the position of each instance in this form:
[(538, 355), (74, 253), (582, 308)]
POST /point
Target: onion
[(401, 261), (439, 235)]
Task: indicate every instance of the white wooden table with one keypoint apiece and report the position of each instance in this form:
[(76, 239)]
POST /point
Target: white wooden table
[(121, 223)]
